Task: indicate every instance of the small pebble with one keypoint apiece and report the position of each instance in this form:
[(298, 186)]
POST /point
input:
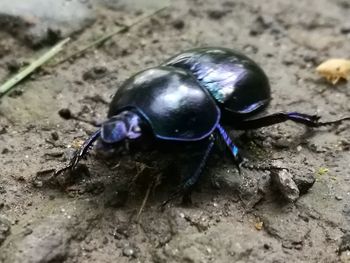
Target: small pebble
[(54, 136), (21, 178), (65, 113), (16, 93), (298, 246), (3, 130), (128, 252), (27, 231), (13, 66), (5, 150), (95, 72), (216, 14), (345, 29), (338, 197), (2, 190), (178, 24)]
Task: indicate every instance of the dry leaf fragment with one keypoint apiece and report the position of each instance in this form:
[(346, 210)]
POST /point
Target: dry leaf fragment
[(259, 225), (334, 69), (77, 143)]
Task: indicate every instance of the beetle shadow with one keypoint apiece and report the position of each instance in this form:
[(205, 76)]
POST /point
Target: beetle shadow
[(129, 179)]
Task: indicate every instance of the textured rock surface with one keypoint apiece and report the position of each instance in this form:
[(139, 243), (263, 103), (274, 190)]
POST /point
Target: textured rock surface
[(285, 183), (40, 21), (5, 229)]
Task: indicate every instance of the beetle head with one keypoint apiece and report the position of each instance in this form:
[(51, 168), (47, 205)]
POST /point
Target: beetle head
[(125, 125)]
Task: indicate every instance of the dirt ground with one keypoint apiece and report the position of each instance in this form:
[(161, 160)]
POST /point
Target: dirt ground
[(92, 215)]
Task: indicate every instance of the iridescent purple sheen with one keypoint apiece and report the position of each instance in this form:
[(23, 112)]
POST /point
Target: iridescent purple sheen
[(122, 126), (234, 80), (233, 148)]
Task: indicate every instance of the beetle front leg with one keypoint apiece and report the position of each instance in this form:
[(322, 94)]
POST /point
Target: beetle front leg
[(79, 154)]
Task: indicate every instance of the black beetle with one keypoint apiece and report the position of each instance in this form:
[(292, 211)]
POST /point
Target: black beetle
[(188, 99)]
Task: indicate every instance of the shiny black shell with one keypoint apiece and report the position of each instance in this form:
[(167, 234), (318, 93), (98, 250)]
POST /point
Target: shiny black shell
[(171, 100), (236, 82)]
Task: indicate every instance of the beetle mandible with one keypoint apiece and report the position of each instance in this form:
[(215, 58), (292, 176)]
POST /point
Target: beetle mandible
[(187, 99)]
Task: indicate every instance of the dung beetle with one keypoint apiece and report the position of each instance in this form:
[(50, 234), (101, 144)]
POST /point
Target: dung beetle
[(187, 99)]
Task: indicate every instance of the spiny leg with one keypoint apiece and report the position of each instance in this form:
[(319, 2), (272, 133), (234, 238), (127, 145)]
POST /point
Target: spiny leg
[(239, 161), (233, 148), (306, 119), (186, 187), (81, 152)]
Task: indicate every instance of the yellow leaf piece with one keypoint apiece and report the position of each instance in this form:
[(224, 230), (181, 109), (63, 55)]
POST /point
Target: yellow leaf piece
[(259, 225), (334, 70), (322, 171), (77, 143)]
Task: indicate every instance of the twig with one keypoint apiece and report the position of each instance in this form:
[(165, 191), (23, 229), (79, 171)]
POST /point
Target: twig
[(151, 186), (8, 85), (104, 38), (144, 202)]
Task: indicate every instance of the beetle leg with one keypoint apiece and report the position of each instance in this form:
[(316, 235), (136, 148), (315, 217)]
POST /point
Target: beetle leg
[(233, 148), (306, 119), (79, 154), (186, 187)]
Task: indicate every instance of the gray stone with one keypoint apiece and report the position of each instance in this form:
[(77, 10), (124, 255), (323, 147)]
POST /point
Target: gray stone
[(284, 181), (304, 181), (129, 252), (44, 21)]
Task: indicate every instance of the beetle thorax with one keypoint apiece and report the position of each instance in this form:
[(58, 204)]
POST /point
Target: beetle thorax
[(125, 125)]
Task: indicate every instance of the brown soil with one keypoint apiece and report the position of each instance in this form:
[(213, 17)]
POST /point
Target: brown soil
[(86, 217)]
